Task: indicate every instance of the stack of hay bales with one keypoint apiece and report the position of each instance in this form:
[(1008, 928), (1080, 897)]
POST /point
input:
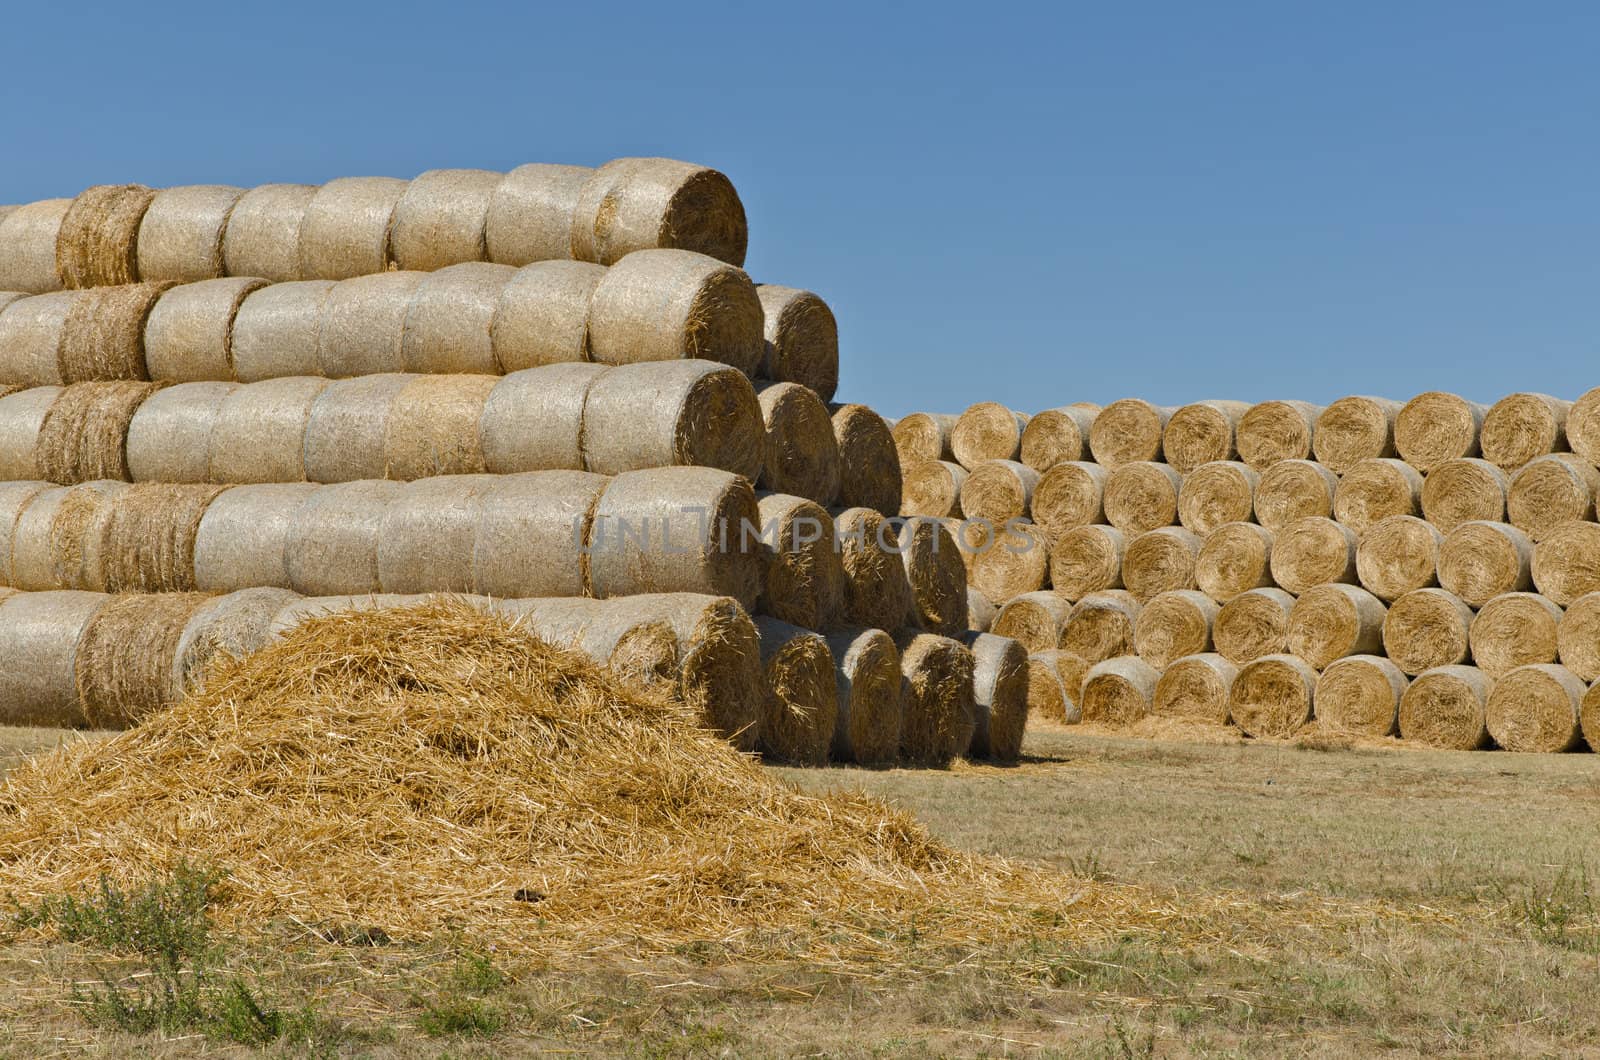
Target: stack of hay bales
[(553, 390), (1379, 568)]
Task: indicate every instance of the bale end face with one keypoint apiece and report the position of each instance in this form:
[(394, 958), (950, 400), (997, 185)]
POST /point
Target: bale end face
[(1272, 696), (1119, 691)]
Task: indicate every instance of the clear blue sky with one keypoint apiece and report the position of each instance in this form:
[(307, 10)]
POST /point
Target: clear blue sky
[(1032, 204)]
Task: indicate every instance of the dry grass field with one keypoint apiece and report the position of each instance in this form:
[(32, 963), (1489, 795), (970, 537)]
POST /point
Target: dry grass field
[(1378, 900)]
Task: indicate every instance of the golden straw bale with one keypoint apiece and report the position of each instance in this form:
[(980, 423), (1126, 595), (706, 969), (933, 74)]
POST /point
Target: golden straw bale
[(1445, 708), (243, 538), (802, 340), (30, 338), (228, 626), (14, 499), (1160, 560), (1373, 490), (659, 305), (543, 316), (1329, 622), (1172, 625), (530, 526), (632, 204), (1035, 620), (1119, 691), (652, 414), (347, 226), (123, 669), (800, 694), (980, 612), (799, 453), (55, 540), (147, 537), (1427, 628), (1272, 431), (1128, 430), (1535, 709), (803, 580), (1549, 491), (1354, 429), (334, 535), (1195, 688), (869, 467), (1435, 427), (364, 323), (1056, 436), (923, 436), (441, 217), (937, 574), (39, 638), (103, 335), (1566, 564), (28, 236), (1398, 555), (180, 236), (1000, 696), (1101, 626), (263, 233), (277, 330), (1055, 683), (1291, 490), (1589, 718), (1578, 636), (348, 427), (1515, 629), (189, 336), (426, 542), (1016, 560), (1068, 496), (1222, 491), (433, 427), (877, 591), (1311, 552), (530, 213), (1272, 696), (1464, 490), (97, 245), (1360, 695), (1480, 560), (938, 710), (1253, 624), (1520, 427), (987, 431), (998, 490), (931, 488), (1234, 558), (447, 325), (1201, 433), (1086, 560), (1583, 426), (867, 673), (84, 434), (1140, 496), (260, 429)]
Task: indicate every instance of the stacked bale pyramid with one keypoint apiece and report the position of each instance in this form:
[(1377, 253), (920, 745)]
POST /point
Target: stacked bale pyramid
[(553, 390), (1428, 570)]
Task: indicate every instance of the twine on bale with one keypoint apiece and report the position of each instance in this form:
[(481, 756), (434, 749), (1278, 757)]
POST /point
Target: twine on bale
[(1515, 629), (1427, 628), (332, 546), (980, 612), (1398, 555), (877, 593), (39, 638), (1435, 427), (923, 436), (55, 541), (530, 213), (222, 627), (1141, 496), (867, 674), (537, 535), (103, 335), (1086, 560), (1445, 708), (147, 537), (1035, 620), (84, 434), (1068, 496), (1172, 625), (1015, 561), (1373, 490), (260, 429), (1195, 688), (97, 245), (1253, 624), (1159, 561), (937, 576), (1101, 626), (1535, 709), (1128, 430), (1216, 493), (800, 694), (363, 324), (243, 538), (1578, 637), (123, 669), (189, 334), (998, 490), (433, 427), (348, 427), (543, 316), (30, 338), (1057, 436), (932, 488), (803, 580), (1201, 433), (1566, 564), (1312, 552), (345, 230), (1521, 427), (1273, 431), (666, 413), (1464, 490), (263, 233), (1118, 692), (1055, 682), (1480, 560), (802, 340), (1000, 696), (1354, 429), (869, 467), (448, 321), (799, 452), (277, 331), (426, 542), (659, 305), (1329, 622), (987, 431), (1272, 696), (180, 235), (1550, 491), (1234, 558), (441, 217), (938, 712), (1360, 695), (28, 236), (633, 204), (1291, 489)]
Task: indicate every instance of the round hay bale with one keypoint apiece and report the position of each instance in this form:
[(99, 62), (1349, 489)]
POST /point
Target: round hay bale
[(998, 490), (1068, 496), (1577, 637), (260, 430), (1549, 491), (1589, 718), (1252, 625), (1160, 561), (364, 323), (1583, 425), (543, 316), (1535, 709), (1119, 691), (533, 530), (1480, 560), (987, 431), (277, 330), (1000, 696), (877, 592), (180, 237), (1139, 497), (803, 580), (39, 638), (447, 323), (1329, 622), (97, 245), (1427, 628), (1234, 558), (1311, 552), (937, 575), (1272, 696), (1087, 559), (1172, 625), (22, 416), (923, 436), (535, 420), (103, 335), (530, 213), (1360, 695), (1101, 626), (1354, 429), (660, 305), (243, 538), (300, 611), (680, 529), (189, 336), (1445, 708), (333, 539), (802, 340), (345, 230), (1057, 436), (1217, 493), (719, 659), (799, 453), (433, 427), (1435, 427), (230, 625), (632, 204), (1566, 564), (123, 669), (1375, 489), (1035, 620), (938, 713), (28, 237), (1055, 681), (262, 237), (84, 434), (30, 338), (1128, 430), (14, 498), (932, 489), (669, 413), (1201, 433), (1195, 688), (1015, 561), (147, 537), (980, 612), (441, 219), (1465, 490), (1399, 555), (869, 467), (55, 542), (867, 675), (348, 427), (1514, 630), (426, 542), (1272, 431), (1521, 427), (1291, 490)]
